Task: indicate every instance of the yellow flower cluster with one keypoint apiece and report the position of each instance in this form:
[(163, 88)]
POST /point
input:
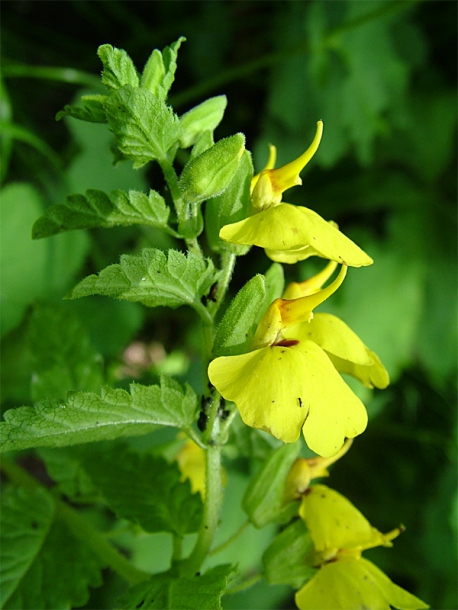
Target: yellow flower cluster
[(289, 378)]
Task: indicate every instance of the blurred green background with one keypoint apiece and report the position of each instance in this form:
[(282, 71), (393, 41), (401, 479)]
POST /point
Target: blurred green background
[(382, 77)]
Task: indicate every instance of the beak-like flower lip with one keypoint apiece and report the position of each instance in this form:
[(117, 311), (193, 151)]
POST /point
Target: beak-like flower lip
[(268, 186)]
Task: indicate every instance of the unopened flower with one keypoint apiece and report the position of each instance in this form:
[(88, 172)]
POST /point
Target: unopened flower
[(287, 382), (345, 580), (290, 233)]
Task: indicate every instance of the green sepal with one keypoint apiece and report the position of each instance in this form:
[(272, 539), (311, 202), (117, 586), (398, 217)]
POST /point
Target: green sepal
[(159, 71), (97, 209), (42, 564), (153, 278), (118, 68), (168, 591), (204, 117), (275, 285), (210, 173), (86, 416), (92, 110), (237, 326), (231, 206), (263, 498), (144, 489), (284, 560), (145, 128)]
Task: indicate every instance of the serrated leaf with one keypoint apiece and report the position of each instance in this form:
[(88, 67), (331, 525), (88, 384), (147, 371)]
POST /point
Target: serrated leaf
[(96, 209), (204, 117), (229, 207), (62, 357), (284, 560), (263, 499), (236, 327), (159, 72), (153, 278), (146, 490), (85, 416), (144, 126), (165, 592), (118, 68), (42, 565), (92, 110), (209, 174)]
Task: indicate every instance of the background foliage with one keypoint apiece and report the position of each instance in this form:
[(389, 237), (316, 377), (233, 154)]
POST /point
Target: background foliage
[(382, 76)]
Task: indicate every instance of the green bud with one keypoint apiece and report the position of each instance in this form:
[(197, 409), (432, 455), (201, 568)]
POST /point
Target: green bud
[(204, 117), (209, 174)]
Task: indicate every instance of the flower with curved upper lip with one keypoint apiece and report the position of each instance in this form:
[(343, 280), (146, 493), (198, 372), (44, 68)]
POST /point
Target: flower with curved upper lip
[(290, 233), (288, 382), (344, 580)]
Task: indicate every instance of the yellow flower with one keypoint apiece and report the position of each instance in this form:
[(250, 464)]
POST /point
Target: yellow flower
[(289, 233), (352, 583), (287, 382), (191, 462), (344, 579)]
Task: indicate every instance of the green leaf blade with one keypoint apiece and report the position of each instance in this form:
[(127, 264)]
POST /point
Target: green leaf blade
[(92, 110), (118, 68), (204, 117), (87, 417), (154, 279), (96, 209), (145, 128)]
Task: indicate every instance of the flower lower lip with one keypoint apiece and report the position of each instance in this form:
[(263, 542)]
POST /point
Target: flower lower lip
[(286, 343)]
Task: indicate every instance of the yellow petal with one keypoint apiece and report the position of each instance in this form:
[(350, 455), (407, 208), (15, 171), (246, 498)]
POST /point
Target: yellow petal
[(267, 386), (294, 290), (336, 525), (350, 584), (375, 375), (285, 228), (269, 165), (335, 411)]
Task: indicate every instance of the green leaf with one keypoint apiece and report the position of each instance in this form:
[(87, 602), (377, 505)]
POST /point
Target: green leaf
[(263, 499), (42, 565), (118, 68), (204, 117), (31, 270), (153, 278), (92, 110), (229, 207), (159, 72), (65, 467), (62, 357), (96, 209), (144, 127), (166, 592), (284, 560), (85, 416), (210, 173), (146, 490), (236, 327)]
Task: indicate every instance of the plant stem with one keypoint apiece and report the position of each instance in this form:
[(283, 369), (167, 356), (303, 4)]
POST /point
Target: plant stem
[(212, 506), (80, 528), (228, 260)]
